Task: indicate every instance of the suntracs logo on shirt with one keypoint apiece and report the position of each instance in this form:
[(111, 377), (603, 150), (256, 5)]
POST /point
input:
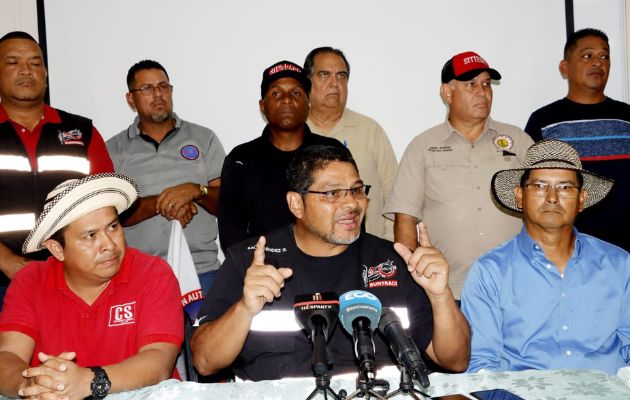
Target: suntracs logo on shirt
[(71, 137), (381, 275), (122, 314)]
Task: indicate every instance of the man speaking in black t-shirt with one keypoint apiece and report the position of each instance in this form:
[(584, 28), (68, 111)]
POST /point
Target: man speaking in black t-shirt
[(597, 126), (247, 319)]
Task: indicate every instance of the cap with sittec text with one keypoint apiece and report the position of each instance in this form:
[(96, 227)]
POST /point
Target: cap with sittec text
[(465, 66)]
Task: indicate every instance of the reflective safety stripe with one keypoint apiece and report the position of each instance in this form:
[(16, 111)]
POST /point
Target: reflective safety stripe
[(403, 314), (63, 163), (275, 321), (14, 163), (17, 222), (284, 320)]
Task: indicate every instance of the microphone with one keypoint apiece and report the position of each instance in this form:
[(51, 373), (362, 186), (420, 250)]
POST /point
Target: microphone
[(403, 347), (317, 315), (359, 315)]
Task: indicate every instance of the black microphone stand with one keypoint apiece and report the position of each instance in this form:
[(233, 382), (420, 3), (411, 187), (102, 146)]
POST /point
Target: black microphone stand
[(406, 386), (369, 387), (320, 361), (367, 384)]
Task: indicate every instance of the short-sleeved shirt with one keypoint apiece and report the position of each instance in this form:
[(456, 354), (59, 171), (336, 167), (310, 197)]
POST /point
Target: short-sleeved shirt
[(189, 153), (140, 306), (369, 264), (444, 180), (254, 187), (601, 134), (374, 155)]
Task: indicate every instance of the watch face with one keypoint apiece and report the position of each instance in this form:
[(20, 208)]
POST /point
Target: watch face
[(101, 387), (100, 384)]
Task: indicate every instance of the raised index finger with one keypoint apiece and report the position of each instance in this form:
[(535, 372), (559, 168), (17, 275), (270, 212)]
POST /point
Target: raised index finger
[(423, 235), (259, 253), (403, 251)]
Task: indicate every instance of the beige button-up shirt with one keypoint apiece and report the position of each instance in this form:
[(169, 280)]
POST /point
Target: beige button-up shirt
[(374, 155), (444, 180)]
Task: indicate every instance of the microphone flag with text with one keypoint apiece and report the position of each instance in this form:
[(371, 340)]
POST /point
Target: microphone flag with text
[(317, 314), (403, 347), (359, 314)]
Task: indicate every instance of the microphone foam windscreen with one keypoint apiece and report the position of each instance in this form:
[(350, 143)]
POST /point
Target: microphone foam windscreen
[(359, 303)]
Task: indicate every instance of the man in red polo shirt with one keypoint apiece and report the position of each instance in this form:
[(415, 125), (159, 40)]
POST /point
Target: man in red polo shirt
[(96, 317), (40, 147)]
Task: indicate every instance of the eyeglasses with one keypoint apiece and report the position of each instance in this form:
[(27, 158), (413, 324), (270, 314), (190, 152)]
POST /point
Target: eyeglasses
[(562, 190), (359, 192), (148, 90)]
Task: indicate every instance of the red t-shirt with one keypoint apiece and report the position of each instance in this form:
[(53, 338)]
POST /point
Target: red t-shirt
[(97, 151), (140, 306)]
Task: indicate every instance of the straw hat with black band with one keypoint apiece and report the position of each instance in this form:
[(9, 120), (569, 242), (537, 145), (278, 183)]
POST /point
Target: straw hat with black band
[(548, 154), (76, 198)]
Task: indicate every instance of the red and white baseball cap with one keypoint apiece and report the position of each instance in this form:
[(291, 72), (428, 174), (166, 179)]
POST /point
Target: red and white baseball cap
[(465, 66)]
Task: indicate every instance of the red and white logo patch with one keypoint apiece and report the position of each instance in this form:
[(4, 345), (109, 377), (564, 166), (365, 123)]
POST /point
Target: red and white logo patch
[(380, 275), (122, 314), (74, 136)]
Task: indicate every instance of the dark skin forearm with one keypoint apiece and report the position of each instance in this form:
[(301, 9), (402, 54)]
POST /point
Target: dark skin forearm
[(210, 202), (61, 376), (143, 208), (405, 230), (148, 207), (11, 373), (450, 346), (10, 263)]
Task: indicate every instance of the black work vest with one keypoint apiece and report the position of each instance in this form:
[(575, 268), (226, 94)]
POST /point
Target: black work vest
[(61, 154)]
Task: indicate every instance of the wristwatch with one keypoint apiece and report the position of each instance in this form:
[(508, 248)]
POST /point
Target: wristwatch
[(100, 384), (204, 190)]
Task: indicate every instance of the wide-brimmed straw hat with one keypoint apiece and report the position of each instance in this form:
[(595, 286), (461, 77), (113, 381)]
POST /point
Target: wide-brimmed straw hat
[(551, 154), (76, 198)]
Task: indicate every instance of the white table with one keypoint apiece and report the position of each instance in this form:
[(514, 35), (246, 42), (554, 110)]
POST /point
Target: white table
[(531, 385)]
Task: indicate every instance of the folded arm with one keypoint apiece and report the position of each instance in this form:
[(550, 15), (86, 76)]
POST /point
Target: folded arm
[(16, 350), (60, 376)]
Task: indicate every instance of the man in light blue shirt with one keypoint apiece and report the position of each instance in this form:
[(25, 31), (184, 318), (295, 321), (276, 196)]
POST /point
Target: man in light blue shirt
[(551, 297)]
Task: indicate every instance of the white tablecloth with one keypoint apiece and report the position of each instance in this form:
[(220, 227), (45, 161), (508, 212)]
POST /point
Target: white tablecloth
[(531, 385)]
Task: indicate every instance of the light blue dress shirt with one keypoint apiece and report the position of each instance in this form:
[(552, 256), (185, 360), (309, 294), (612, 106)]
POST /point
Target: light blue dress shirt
[(524, 314)]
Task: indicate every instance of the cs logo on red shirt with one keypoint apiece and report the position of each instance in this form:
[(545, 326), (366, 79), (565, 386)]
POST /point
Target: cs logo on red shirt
[(122, 314)]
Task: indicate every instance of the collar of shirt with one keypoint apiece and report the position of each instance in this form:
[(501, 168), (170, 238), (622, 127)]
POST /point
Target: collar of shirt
[(307, 134), (134, 128), (533, 251), (50, 116), (121, 277), (348, 118), (448, 133)]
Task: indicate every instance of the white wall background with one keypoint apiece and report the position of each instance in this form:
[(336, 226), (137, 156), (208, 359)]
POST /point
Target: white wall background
[(18, 15), (215, 53), (588, 14)]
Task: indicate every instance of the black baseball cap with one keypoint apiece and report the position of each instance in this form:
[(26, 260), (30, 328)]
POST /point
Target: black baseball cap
[(284, 69)]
